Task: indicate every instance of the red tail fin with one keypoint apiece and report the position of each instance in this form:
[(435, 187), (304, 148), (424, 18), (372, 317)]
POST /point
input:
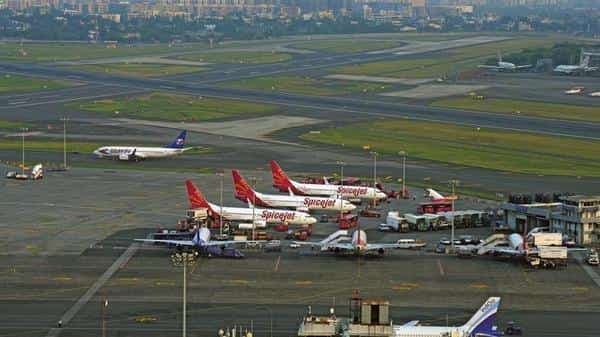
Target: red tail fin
[(280, 179), (195, 196), (243, 191)]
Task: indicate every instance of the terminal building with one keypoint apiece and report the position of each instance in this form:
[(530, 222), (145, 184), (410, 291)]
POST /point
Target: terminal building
[(576, 216)]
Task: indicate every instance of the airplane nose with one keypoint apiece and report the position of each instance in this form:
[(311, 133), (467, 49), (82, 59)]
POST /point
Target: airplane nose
[(381, 195), (350, 206), (310, 220)]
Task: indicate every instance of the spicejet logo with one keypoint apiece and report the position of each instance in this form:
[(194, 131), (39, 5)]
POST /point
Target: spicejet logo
[(355, 191), (280, 216), (322, 203)]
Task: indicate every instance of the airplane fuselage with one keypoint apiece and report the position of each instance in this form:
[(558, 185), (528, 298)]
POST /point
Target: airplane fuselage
[(267, 215), (124, 152), (353, 192), (310, 203)]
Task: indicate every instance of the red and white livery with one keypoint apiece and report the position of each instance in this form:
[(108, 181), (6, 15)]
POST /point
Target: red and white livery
[(245, 193), (282, 182), (197, 200)]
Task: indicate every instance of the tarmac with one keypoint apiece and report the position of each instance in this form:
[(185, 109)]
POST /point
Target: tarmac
[(78, 223)]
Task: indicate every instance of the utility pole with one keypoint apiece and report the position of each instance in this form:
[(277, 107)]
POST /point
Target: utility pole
[(221, 174), (341, 163), (64, 120), (403, 154), (254, 208), (103, 308), (23, 130), (453, 182), (374, 168)]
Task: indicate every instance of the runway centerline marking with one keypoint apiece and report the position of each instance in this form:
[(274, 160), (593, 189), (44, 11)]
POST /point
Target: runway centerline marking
[(277, 263), (440, 268)]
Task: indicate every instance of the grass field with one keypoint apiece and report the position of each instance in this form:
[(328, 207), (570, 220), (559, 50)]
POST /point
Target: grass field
[(488, 148), (529, 108), (238, 57), (38, 144), (341, 46), (307, 85), (139, 69), (171, 107), (447, 63), (47, 52), (17, 84), (13, 126)]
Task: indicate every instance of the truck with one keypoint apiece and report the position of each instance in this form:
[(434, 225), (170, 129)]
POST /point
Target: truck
[(395, 222), (546, 239), (548, 257), (417, 222)]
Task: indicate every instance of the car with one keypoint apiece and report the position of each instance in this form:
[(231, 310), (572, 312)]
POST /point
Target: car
[(369, 213), (273, 246), (294, 245), (466, 239), (513, 330), (445, 241), (440, 248), (11, 175), (384, 228)]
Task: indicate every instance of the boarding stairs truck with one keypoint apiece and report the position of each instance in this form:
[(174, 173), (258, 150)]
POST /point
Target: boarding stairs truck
[(491, 242)]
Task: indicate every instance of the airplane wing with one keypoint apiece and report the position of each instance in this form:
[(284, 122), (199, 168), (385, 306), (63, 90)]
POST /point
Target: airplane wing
[(411, 323), (187, 243), (483, 66), (525, 66), (377, 246), (230, 242), (506, 251)]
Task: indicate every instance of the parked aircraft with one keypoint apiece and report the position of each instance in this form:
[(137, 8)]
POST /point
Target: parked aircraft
[(142, 152), (575, 91), (285, 184), (244, 192), (197, 200), (582, 68), (481, 324), (202, 243), (504, 66), (340, 242)]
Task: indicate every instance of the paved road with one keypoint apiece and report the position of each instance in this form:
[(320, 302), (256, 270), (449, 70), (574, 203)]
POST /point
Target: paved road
[(342, 107)]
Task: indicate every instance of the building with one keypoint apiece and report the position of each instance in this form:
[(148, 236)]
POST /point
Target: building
[(368, 318), (576, 216)]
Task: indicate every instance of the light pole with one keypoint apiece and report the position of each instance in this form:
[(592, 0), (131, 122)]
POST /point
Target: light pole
[(403, 154), (478, 138), (453, 182), (341, 163), (270, 319), (64, 120), (221, 174), (23, 130), (375, 154), (103, 308), (184, 259)]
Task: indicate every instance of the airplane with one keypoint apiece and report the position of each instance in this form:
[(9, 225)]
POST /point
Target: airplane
[(338, 242), (594, 94), (570, 69), (282, 182), (481, 324), (504, 66), (141, 152), (575, 91), (244, 192), (436, 196), (197, 200), (202, 243)]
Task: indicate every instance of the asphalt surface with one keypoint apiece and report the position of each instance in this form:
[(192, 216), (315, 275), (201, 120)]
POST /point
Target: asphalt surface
[(84, 219)]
